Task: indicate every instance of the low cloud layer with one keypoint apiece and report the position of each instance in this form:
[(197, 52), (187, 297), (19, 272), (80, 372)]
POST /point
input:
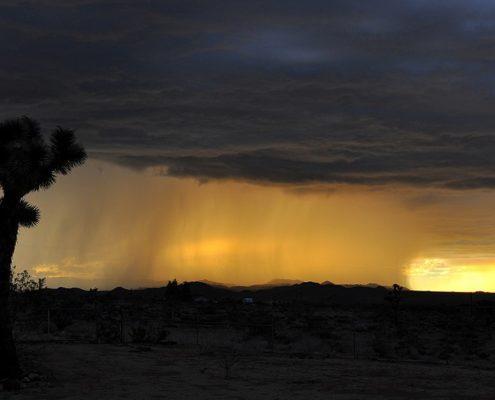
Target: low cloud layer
[(281, 92)]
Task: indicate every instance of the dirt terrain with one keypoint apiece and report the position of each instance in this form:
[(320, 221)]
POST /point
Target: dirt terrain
[(91, 371), (306, 341)]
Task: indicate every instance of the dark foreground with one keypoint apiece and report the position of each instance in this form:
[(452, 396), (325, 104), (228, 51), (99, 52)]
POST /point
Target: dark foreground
[(305, 341), (89, 371)]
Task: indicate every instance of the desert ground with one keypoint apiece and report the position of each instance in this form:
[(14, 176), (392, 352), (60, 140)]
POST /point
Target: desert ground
[(91, 371), (345, 343)]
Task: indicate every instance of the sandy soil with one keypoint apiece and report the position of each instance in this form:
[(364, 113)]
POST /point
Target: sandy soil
[(80, 371)]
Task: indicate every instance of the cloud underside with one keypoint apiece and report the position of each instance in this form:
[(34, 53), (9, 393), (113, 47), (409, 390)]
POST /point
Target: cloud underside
[(330, 92), (263, 167)]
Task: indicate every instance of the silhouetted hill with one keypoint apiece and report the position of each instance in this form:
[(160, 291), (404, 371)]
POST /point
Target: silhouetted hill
[(337, 294), (215, 284), (310, 292), (345, 294), (240, 288)]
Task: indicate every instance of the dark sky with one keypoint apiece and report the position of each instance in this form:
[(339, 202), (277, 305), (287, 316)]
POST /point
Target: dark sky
[(358, 92), (368, 128)]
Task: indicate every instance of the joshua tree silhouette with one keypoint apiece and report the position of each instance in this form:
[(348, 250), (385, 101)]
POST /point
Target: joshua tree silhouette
[(27, 163)]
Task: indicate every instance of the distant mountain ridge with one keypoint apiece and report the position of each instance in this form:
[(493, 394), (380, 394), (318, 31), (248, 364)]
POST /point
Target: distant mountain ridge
[(328, 292), (239, 288), (310, 292), (283, 282)]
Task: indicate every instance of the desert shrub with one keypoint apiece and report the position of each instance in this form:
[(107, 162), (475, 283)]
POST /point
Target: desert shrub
[(446, 352), (80, 330), (382, 345), (228, 357), (61, 319), (162, 335), (108, 328), (253, 331), (149, 332), (139, 334), (25, 294), (286, 336), (23, 282)]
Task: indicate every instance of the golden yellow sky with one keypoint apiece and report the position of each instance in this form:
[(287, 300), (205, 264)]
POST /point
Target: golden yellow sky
[(105, 226)]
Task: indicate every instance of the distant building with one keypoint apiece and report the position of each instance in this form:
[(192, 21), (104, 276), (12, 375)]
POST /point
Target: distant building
[(247, 300)]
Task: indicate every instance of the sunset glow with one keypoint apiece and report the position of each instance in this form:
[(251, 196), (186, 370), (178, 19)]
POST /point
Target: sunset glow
[(243, 142), (247, 199), (240, 233), (452, 275)]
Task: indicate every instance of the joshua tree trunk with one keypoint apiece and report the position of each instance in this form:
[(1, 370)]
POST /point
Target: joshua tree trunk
[(27, 163), (9, 364)]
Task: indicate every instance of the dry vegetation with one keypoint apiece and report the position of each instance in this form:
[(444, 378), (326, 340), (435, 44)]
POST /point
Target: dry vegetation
[(150, 344)]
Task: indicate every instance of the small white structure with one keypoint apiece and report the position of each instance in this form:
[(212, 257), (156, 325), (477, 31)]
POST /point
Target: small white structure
[(247, 300)]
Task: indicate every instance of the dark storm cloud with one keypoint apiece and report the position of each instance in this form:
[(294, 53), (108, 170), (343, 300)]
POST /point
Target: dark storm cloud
[(368, 93)]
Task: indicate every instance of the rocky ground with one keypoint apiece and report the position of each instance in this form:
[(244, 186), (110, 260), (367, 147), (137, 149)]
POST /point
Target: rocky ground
[(91, 371)]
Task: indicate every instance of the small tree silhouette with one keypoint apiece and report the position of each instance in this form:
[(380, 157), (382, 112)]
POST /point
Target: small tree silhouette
[(394, 297), (27, 164), (23, 282), (172, 290)]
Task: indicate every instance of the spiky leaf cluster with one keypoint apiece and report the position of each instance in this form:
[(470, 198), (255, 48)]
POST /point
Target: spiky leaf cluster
[(28, 163)]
